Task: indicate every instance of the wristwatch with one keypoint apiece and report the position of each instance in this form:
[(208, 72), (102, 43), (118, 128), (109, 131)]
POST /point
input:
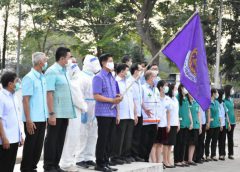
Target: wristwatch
[(51, 113)]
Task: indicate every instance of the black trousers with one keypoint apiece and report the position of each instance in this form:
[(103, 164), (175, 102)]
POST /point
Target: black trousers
[(136, 139), (199, 151), (122, 139), (8, 157), (149, 133), (222, 141), (212, 137), (181, 144), (53, 144), (104, 141), (230, 140), (33, 147)]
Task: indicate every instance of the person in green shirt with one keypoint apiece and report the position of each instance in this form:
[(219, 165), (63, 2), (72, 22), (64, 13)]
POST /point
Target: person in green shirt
[(229, 91), (186, 124), (213, 126), (197, 129)]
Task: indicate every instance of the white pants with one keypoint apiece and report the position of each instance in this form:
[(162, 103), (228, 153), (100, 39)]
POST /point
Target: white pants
[(88, 137), (71, 144)]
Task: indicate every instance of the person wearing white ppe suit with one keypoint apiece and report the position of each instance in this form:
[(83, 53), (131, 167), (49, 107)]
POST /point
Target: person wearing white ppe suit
[(72, 140), (88, 135)]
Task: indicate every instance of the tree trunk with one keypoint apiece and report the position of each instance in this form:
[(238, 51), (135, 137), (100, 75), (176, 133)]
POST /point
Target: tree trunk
[(5, 36), (143, 28)]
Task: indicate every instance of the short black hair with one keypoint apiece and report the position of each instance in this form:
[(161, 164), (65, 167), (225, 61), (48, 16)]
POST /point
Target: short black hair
[(121, 67), (104, 58), (61, 52), (161, 84), (220, 97), (227, 90), (8, 77), (134, 67), (153, 64), (213, 90), (126, 58)]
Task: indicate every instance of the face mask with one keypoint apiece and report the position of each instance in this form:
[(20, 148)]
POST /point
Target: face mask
[(232, 92), (175, 93), (69, 63), (155, 72), (166, 89), (110, 66), (185, 91), (44, 68), (128, 74), (155, 81), (223, 97), (17, 86), (217, 95)]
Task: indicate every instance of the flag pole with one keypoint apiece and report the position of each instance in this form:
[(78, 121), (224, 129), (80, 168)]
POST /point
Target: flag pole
[(157, 54)]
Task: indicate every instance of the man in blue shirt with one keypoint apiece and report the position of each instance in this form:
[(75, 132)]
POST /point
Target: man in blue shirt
[(10, 134), (60, 108), (34, 93)]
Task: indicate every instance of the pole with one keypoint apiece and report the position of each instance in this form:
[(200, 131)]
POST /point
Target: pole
[(219, 34), (19, 36)]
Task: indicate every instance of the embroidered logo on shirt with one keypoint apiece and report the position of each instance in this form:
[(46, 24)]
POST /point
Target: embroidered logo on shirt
[(149, 95)]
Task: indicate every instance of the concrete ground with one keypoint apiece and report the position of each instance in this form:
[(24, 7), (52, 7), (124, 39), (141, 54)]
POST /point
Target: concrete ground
[(219, 166)]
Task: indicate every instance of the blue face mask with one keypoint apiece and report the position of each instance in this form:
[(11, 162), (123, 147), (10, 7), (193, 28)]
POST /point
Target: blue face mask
[(155, 81), (44, 68), (17, 86)]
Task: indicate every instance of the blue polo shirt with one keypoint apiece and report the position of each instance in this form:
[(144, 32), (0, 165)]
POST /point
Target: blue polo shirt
[(58, 83), (34, 85)]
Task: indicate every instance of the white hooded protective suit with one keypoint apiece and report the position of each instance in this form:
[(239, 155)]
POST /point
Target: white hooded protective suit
[(72, 139), (88, 135)]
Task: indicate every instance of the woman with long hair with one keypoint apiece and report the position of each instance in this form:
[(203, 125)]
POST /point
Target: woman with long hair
[(186, 124)]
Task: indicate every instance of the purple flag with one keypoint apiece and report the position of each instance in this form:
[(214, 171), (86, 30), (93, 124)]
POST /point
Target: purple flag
[(187, 51)]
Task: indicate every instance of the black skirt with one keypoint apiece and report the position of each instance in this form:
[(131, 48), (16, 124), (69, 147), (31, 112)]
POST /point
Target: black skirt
[(172, 136), (161, 135), (193, 137)]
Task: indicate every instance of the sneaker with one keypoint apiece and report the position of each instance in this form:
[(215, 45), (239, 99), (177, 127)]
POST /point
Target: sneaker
[(70, 169), (90, 163), (82, 164)]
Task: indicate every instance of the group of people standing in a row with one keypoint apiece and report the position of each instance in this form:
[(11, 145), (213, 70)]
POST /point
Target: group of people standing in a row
[(106, 115)]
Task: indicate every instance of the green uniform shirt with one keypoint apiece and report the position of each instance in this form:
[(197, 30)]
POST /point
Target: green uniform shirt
[(230, 106), (214, 114), (194, 111), (184, 113)]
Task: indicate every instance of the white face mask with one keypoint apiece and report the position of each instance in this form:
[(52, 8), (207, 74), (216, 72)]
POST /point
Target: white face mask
[(175, 93), (110, 66), (128, 74), (166, 89), (155, 72), (113, 73), (217, 95), (232, 92), (223, 97), (185, 91), (69, 63)]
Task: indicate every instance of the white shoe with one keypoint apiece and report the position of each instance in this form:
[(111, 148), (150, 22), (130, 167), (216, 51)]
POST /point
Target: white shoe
[(70, 169)]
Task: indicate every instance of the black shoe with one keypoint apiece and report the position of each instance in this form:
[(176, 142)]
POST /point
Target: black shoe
[(199, 161), (104, 169), (131, 159), (214, 159), (82, 164), (117, 161), (168, 166), (90, 163), (179, 164), (110, 168), (110, 163), (231, 157), (138, 159), (222, 158), (192, 163), (126, 160)]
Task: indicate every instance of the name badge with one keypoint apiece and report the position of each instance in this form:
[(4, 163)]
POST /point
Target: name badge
[(180, 119), (211, 119)]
